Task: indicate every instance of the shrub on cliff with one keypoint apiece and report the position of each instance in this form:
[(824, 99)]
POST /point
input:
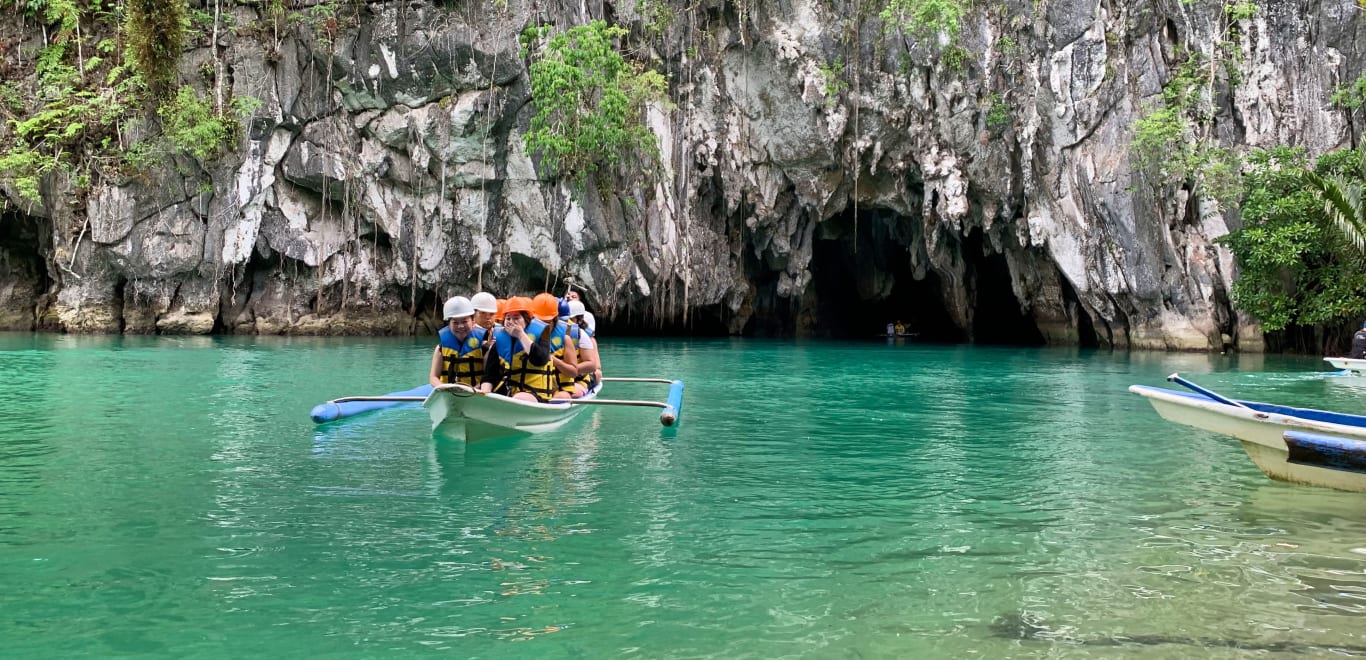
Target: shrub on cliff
[(590, 101)]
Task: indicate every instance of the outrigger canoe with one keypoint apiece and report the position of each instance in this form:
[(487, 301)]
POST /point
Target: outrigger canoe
[(1261, 428), (464, 413)]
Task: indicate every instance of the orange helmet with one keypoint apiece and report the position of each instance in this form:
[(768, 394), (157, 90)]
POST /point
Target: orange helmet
[(546, 307), (518, 304), (502, 305)]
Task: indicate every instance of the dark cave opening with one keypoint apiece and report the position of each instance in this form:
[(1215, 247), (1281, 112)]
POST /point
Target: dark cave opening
[(997, 317), (864, 280), (862, 284), (22, 244), (24, 240), (121, 301), (844, 313)]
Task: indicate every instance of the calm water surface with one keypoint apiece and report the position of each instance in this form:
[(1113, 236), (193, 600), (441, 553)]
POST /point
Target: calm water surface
[(170, 497)]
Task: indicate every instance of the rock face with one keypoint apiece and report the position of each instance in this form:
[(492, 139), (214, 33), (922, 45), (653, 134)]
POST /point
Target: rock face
[(820, 175)]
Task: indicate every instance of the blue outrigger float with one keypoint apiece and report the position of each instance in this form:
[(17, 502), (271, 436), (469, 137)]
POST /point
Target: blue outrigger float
[(1298, 445)]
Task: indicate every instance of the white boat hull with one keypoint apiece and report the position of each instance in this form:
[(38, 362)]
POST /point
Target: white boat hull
[(1260, 434), (461, 413), (1357, 367)]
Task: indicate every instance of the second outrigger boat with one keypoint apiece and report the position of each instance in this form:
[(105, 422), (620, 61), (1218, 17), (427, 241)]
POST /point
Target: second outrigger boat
[(1262, 427), (1356, 367)]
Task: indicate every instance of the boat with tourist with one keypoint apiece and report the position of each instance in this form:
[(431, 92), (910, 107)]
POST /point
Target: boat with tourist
[(464, 413), (1261, 428)]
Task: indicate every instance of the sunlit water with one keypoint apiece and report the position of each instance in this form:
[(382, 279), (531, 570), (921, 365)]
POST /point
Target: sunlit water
[(170, 497)]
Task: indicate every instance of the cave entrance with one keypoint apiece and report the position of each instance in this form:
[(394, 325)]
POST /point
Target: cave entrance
[(997, 317), (24, 240), (860, 291)]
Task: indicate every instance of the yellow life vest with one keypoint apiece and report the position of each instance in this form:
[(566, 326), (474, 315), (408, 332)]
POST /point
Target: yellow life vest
[(462, 361), (522, 376)]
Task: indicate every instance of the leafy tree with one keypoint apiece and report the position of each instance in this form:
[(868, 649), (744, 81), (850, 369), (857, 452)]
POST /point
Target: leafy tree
[(1295, 269), (590, 101), (1340, 189)]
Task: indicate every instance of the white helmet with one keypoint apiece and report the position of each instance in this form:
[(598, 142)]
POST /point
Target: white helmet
[(484, 302), (576, 308), (457, 308)]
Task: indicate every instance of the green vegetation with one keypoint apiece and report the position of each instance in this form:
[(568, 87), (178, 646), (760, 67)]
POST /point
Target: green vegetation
[(930, 21), (834, 82), (998, 113), (925, 18), (1339, 186), (191, 124), (1298, 267), (155, 37), (1352, 95), (1173, 142), (656, 15), (326, 23), (590, 101), (955, 58), (106, 71), (1008, 46)]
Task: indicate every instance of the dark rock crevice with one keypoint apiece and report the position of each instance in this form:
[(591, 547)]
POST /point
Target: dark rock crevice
[(25, 271)]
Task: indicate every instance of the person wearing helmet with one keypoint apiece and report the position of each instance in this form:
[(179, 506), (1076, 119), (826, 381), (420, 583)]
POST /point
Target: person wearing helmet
[(485, 309), (589, 364), (589, 323), (459, 354), (521, 363), (565, 358)]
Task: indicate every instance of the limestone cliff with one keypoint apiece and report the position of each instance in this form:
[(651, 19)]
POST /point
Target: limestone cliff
[(821, 174)]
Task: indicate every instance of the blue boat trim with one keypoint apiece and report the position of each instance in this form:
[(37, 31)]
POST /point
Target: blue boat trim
[(331, 412), (1327, 451)]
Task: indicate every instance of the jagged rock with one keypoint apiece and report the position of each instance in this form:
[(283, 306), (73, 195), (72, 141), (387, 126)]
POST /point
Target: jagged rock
[(386, 168), (17, 302)]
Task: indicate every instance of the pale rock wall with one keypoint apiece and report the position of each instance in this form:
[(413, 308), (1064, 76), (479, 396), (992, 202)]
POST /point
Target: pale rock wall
[(386, 171)]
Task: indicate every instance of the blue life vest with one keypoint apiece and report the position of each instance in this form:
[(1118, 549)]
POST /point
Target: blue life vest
[(462, 361)]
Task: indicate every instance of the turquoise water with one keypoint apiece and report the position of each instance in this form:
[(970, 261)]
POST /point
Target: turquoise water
[(169, 497)]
